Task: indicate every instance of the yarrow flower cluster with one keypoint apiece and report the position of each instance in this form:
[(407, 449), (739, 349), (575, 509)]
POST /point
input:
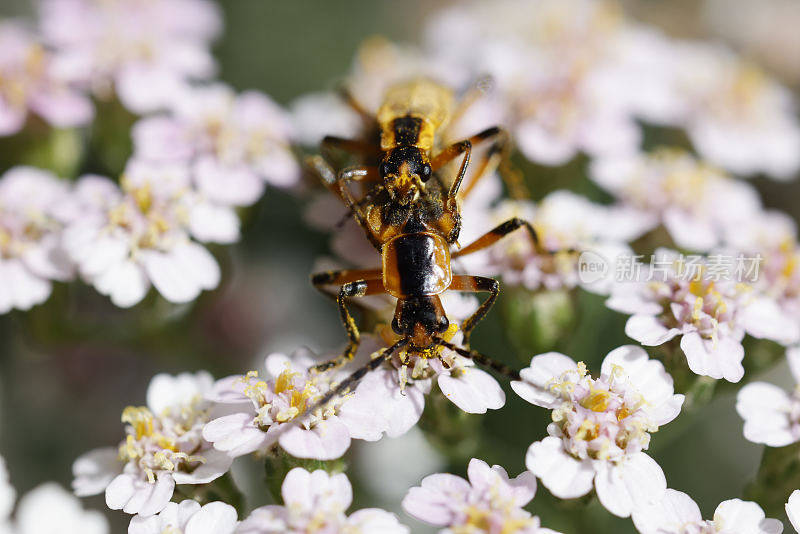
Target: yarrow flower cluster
[(315, 502), (32, 217), (711, 316), (488, 502), (163, 447), (145, 52), (601, 426), (31, 82)]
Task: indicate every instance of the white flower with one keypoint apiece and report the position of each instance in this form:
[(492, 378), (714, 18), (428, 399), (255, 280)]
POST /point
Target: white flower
[(187, 517), (30, 84), (793, 509), (549, 62), (163, 447), (695, 202), (771, 415), (270, 408), (739, 118), (125, 239), (600, 426), (711, 316), (31, 254), (677, 513), (316, 503), (489, 502), (231, 143), (144, 51)]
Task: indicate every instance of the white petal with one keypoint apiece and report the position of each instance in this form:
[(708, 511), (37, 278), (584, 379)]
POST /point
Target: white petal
[(635, 481), (473, 390), (95, 470), (670, 514), (565, 476), (793, 509), (763, 318), (736, 516), (125, 282), (216, 464), (180, 274), (326, 441), (648, 330), (210, 222), (213, 518), (648, 376), (718, 359), (535, 379), (766, 409)]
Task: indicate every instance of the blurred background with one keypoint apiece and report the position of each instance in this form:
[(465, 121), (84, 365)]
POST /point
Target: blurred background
[(69, 367)]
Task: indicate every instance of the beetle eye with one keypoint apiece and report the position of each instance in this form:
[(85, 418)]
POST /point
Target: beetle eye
[(425, 173)]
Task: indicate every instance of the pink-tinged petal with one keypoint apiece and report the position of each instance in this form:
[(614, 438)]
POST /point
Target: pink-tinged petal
[(721, 358), (49, 260), (228, 390), (180, 274), (326, 441), (216, 464), (793, 509), (431, 501), (565, 476), (303, 490), (147, 88), (210, 222), (19, 288), (235, 434), (12, 119), (670, 514), (763, 318), (472, 390), (231, 185), (95, 470), (648, 376), (541, 146), (737, 516), (690, 231), (648, 330), (124, 282), (634, 482), (766, 410), (378, 406), (480, 475), (375, 520), (161, 138), (545, 367), (213, 518), (667, 410), (63, 109), (524, 486), (279, 167)]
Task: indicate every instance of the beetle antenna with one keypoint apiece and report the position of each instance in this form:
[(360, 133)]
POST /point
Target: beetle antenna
[(480, 359)]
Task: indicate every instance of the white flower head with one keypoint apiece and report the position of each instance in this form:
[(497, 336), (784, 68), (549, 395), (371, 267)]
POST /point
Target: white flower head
[(772, 415), (488, 502), (144, 51), (30, 84), (601, 426), (31, 221), (187, 517), (164, 446), (697, 203), (711, 315), (677, 513), (232, 144), (273, 410), (124, 240), (549, 63), (315, 502)]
